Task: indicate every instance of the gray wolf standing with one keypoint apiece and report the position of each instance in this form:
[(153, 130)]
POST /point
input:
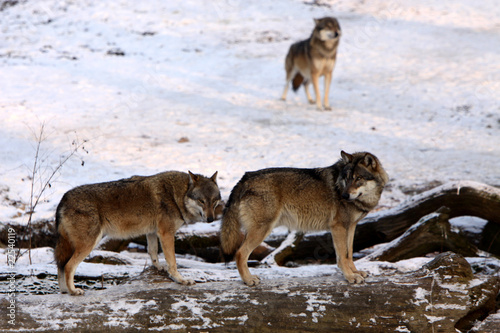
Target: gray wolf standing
[(333, 198), (155, 206), (309, 59)]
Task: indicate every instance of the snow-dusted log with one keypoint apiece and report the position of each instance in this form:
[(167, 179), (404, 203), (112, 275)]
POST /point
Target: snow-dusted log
[(440, 297), (462, 198), (431, 233), (287, 247)]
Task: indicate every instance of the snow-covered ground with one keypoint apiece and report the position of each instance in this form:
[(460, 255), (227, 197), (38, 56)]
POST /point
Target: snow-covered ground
[(417, 83), (195, 85)]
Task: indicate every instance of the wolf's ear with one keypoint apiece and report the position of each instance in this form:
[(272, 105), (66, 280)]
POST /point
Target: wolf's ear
[(346, 157), (316, 21), (214, 177), (193, 178), (370, 161)]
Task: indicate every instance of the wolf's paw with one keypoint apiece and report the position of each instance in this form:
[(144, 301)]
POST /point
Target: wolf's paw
[(161, 268), (254, 280), (77, 292), (186, 282), (362, 273), (328, 108), (355, 278)]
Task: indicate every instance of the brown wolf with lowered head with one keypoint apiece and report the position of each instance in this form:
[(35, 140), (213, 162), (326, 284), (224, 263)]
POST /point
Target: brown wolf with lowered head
[(334, 198), (309, 59), (155, 206)]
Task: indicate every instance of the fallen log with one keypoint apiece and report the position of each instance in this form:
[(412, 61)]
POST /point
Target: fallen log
[(463, 198), (431, 233), (286, 248), (441, 297)]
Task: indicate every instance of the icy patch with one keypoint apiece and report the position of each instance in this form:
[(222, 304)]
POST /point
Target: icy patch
[(317, 306), (420, 296), (469, 224), (433, 319), (125, 308)]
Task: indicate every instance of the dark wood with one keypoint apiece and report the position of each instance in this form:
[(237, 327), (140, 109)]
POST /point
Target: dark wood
[(427, 300), (462, 198), (430, 234)]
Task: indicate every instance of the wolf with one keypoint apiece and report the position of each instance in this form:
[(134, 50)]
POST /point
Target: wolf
[(309, 59), (155, 206), (333, 198)]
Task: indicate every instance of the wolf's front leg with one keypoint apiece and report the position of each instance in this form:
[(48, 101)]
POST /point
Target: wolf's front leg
[(350, 241), (315, 82), (168, 246), (340, 242), (328, 81)]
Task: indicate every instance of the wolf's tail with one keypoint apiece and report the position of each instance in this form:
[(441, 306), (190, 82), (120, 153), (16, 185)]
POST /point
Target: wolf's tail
[(64, 249), (230, 233), (298, 79)]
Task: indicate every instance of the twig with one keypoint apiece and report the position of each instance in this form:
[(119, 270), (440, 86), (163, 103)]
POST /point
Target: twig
[(44, 184)]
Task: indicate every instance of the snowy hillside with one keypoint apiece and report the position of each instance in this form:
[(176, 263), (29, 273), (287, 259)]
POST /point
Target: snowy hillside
[(195, 85)]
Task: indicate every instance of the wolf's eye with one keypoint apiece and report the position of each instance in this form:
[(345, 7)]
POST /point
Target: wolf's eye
[(201, 201), (358, 178)]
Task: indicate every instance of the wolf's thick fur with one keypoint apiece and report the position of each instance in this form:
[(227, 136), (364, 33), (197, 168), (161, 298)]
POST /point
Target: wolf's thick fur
[(333, 198), (155, 206), (309, 59)]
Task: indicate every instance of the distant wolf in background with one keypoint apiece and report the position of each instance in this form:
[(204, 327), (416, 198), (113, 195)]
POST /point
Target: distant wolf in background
[(309, 59), (155, 206), (334, 198)]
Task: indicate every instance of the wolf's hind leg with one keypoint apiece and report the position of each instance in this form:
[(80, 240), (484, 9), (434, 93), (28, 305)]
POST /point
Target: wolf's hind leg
[(62, 281), (308, 94), (290, 74), (285, 91), (83, 246), (153, 251), (70, 268), (254, 238)]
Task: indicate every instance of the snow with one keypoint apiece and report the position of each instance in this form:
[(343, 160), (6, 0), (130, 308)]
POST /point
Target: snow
[(433, 319), (421, 296), (469, 224), (213, 72), (416, 83)]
